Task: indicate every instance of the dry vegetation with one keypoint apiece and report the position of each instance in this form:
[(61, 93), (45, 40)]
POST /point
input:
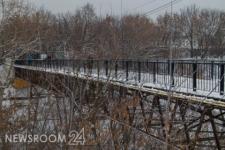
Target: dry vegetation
[(24, 28)]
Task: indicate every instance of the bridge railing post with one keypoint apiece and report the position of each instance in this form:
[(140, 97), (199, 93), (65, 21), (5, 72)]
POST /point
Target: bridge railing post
[(52, 64), (194, 66), (49, 64), (56, 64), (73, 63), (60, 64), (168, 64), (37, 63), (154, 72), (116, 69), (40, 63), (98, 69), (84, 66), (106, 68), (222, 79), (172, 72), (67, 65), (147, 68), (212, 69), (63, 65), (139, 71), (127, 70), (182, 69), (91, 66), (45, 64), (32, 63)]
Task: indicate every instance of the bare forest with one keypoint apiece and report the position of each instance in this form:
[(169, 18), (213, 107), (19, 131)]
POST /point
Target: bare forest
[(83, 33)]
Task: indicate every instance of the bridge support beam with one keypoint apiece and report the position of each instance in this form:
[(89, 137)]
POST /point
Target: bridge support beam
[(189, 125)]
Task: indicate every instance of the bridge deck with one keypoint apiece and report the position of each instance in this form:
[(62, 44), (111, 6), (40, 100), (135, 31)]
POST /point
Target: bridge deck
[(136, 94), (213, 99)]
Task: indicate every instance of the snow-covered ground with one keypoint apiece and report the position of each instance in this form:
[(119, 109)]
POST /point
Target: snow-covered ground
[(205, 88)]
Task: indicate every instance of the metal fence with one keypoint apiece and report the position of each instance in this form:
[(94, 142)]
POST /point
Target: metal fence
[(195, 75)]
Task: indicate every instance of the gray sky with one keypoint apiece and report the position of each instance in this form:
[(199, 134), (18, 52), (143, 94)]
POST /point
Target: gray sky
[(104, 7)]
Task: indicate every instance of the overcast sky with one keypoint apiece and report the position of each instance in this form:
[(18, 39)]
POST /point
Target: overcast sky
[(104, 7)]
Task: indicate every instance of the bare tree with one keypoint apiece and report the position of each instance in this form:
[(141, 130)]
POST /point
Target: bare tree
[(189, 22), (209, 24)]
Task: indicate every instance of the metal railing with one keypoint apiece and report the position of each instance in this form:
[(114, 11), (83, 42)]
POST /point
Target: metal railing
[(195, 75)]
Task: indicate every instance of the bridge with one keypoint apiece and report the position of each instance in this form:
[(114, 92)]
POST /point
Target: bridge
[(178, 102)]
